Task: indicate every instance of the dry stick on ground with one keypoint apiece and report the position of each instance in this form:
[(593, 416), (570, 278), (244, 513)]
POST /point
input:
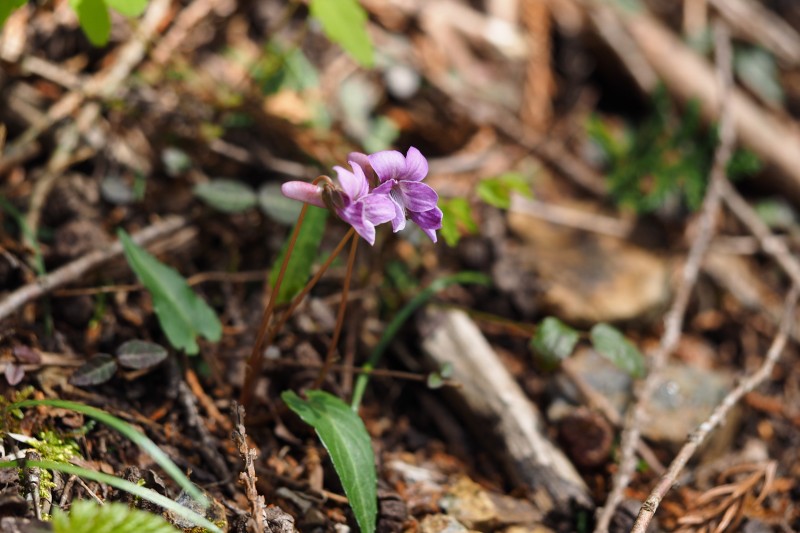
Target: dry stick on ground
[(771, 244), (673, 321), (697, 438), (104, 83), (248, 477), (768, 29), (74, 270)]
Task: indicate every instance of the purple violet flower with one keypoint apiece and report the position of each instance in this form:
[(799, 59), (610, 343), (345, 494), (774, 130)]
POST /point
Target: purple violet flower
[(400, 179), (353, 202)]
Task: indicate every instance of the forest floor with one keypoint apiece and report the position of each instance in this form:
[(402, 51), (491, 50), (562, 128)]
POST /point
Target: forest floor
[(622, 180)]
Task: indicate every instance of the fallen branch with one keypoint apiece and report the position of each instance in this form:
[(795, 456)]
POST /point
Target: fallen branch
[(492, 402), (74, 270)]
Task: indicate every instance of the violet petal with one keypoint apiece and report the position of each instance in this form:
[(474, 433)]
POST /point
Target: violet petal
[(417, 196), (388, 164), (379, 208), (416, 167)]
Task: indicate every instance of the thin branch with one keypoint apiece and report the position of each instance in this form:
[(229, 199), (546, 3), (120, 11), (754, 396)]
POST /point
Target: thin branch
[(74, 270), (772, 245), (673, 322), (719, 415)]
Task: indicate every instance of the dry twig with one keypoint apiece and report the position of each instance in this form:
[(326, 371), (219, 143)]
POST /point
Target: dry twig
[(74, 270), (674, 319), (718, 416), (258, 509)]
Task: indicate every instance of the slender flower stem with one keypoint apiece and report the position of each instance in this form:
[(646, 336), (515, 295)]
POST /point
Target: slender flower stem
[(297, 300), (266, 334), (256, 356), (323, 373)]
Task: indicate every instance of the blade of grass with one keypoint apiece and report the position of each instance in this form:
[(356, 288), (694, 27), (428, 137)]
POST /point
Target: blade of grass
[(134, 435), (121, 484), (400, 318)]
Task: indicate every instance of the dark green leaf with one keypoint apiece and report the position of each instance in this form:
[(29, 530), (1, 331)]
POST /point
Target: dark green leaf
[(7, 7), (343, 434), (94, 20), (553, 342), (228, 196), (611, 344), (276, 206), (302, 260), (129, 8), (88, 517), (95, 371), (140, 354), (345, 23), (183, 315)]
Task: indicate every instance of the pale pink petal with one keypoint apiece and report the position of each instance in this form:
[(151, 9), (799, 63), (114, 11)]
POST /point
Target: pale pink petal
[(354, 184), (304, 192), (362, 160)]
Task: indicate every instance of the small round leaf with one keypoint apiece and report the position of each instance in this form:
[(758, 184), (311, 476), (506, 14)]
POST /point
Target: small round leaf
[(276, 206), (140, 354), (228, 196), (553, 342), (613, 345), (95, 371)]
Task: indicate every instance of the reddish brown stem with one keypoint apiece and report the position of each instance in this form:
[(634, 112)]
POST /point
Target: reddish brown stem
[(267, 335), (297, 300), (256, 356), (323, 373)]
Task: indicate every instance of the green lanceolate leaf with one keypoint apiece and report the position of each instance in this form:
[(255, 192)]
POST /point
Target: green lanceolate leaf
[(228, 196), (343, 434), (88, 517), (140, 354), (95, 371), (94, 20), (183, 315), (553, 342), (129, 432), (345, 23), (613, 345), (302, 260), (120, 484), (129, 8)]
